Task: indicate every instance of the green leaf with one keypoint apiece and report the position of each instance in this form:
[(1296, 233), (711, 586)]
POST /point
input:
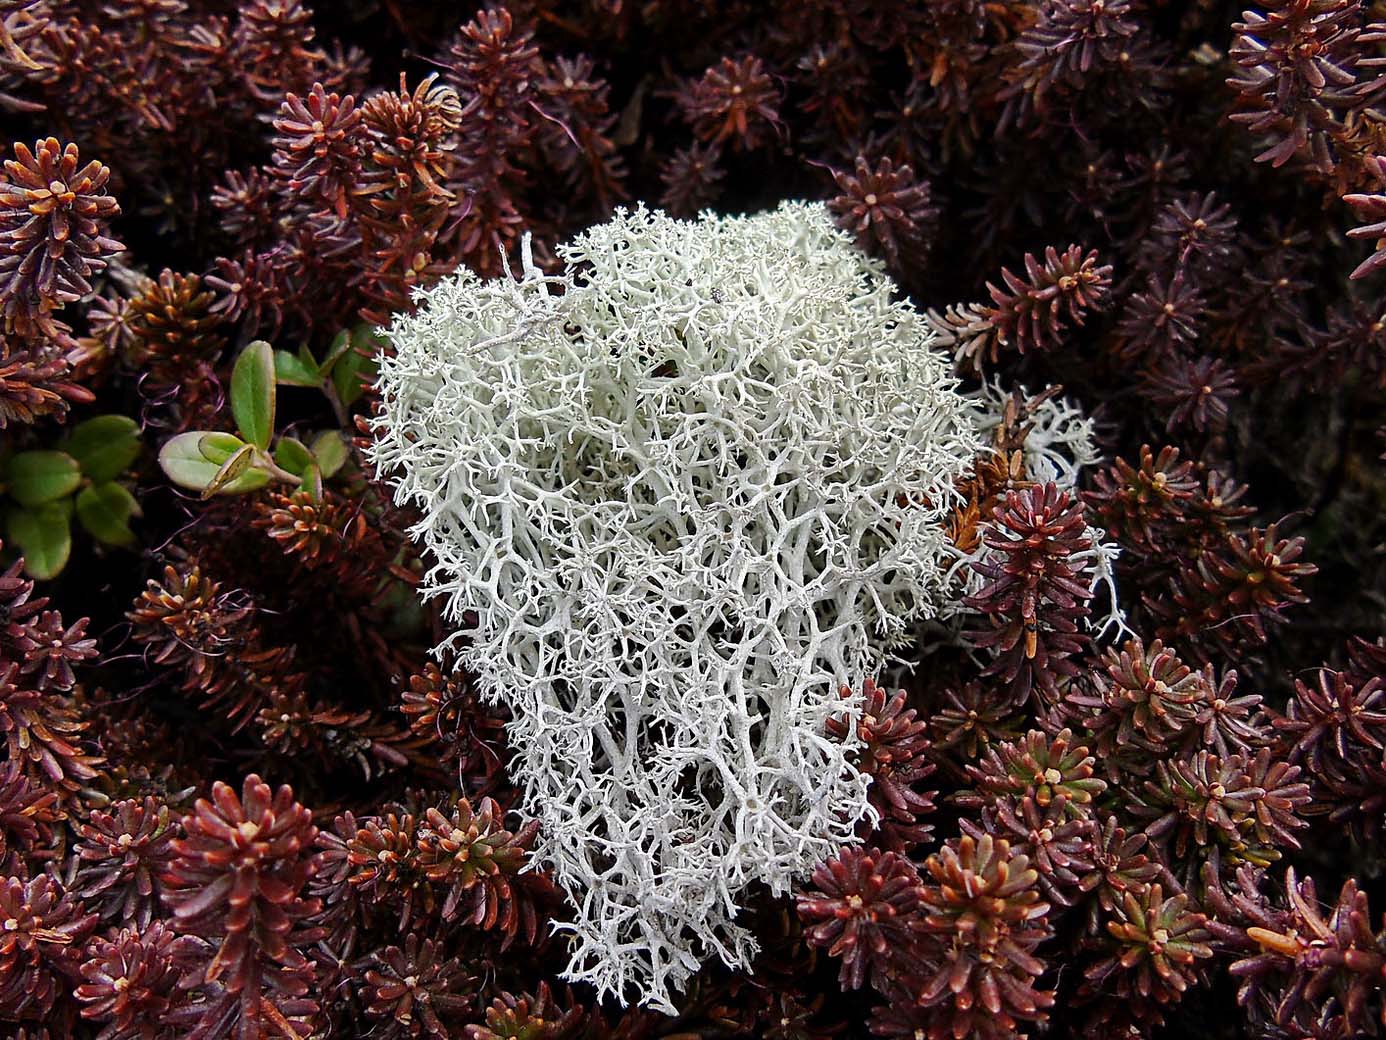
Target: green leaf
[(105, 511), (293, 456), (341, 343), (312, 482), (104, 446), (37, 477), (293, 371), (231, 470), (43, 535), (348, 373), (217, 447), (252, 394), (183, 462), (193, 460), (367, 337), (330, 450)]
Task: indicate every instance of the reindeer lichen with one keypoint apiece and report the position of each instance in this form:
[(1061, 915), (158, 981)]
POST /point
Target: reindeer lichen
[(686, 489)]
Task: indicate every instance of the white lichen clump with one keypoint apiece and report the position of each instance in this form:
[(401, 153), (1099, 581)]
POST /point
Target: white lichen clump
[(686, 490)]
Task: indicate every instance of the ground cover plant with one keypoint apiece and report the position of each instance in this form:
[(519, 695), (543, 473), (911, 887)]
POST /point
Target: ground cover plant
[(1109, 757)]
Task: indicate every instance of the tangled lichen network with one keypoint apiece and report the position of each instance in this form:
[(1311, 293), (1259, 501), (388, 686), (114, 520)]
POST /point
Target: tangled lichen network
[(689, 488)]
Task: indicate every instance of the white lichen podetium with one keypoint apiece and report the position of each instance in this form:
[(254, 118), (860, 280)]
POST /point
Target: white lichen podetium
[(691, 488)]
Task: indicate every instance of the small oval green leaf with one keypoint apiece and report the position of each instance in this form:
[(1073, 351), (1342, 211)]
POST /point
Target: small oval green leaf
[(351, 374), (192, 460), (36, 477), (330, 450), (104, 446), (291, 370), (292, 455), (218, 447), (312, 482), (105, 511), (252, 394), (184, 462), (341, 343), (43, 535)]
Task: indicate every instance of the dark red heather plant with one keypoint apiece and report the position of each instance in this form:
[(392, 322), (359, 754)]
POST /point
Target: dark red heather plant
[(1172, 828), (1036, 593), (983, 921), (54, 212), (865, 913), (886, 209), (895, 756), (236, 889)]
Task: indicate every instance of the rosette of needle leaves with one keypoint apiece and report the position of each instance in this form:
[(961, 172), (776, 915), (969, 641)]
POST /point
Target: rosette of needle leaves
[(41, 928), (1151, 957), (1336, 727), (1241, 808), (54, 215), (236, 886), (121, 859), (1039, 767), (41, 722), (1318, 961), (1150, 698), (894, 754), (983, 920), (863, 907), (688, 498), (1152, 706), (1037, 587)]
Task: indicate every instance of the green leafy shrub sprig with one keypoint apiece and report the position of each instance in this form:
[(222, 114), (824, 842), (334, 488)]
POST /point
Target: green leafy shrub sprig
[(214, 462), (46, 488)]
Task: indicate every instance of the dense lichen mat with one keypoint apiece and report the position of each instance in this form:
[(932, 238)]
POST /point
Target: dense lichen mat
[(690, 488)]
